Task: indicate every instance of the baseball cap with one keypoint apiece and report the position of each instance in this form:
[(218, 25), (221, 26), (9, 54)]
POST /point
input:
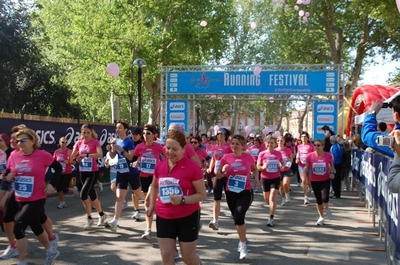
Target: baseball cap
[(137, 130)]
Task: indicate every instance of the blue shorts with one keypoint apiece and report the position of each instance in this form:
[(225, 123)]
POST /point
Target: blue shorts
[(301, 170)]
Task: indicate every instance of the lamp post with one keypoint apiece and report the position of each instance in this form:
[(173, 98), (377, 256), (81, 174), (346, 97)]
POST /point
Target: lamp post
[(197, 107), (140, 63)]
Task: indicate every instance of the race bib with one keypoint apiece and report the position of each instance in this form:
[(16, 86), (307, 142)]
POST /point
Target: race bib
[(24, 186), (86, 164), (237, 183), (303, 158), (216, 167), (319, 169), (64, 166), (272, 166), (148, 164), (254, 152), (122, 166), (209, 153), (167, 187), (3, 167)]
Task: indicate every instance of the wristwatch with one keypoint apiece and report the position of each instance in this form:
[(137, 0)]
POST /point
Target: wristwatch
[(183, 201), (373, 112)]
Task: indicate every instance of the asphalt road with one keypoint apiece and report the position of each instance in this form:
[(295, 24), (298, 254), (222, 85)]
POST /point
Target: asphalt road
[(295, 239)]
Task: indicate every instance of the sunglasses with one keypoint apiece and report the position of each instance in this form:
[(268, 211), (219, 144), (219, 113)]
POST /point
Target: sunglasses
[(220, 133), (194, 142), (63, 142), (317, 145), (147, 133), (23, 140)]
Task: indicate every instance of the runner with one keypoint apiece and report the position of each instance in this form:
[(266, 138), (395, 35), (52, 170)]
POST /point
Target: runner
[(302, 151), (62, 156), (287, 156), (86, 150), (219, 150), (126, 175), (239, 193), (320, 163), (177, 189), (270, 163), (189, 150), (27, 168), (148, 155)]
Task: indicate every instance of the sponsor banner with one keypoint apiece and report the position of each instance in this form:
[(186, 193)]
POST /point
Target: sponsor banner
[(282, 82), (325, 113), (373, 171), (177, 112)]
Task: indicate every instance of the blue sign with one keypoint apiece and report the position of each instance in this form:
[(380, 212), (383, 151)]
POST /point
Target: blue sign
[(177, 112), (245, 82), (325, 113)]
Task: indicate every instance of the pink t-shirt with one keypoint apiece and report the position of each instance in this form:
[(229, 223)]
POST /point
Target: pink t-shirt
[(209, 149), (218, 153), (202, 154), (254, 151), (273, 164), (286, 156), (179, 182), (302, 151), (63, 157), (30, 174), (149, 157), (88, 164), (189, 151), (319, 166), (238, 172)]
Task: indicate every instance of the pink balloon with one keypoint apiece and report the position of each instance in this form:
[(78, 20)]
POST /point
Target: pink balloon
[(271, 99), (257, 71), (296, 8), (305, 18), (266, 130), (398, 4), (301, 13), (277, 133), (247, 129), (203, 23), (216, 128), (296, 135), (253, 25), (113, 69), (299, 2)]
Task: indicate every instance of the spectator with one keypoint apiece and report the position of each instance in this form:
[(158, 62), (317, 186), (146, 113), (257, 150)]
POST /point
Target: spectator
[(328, 134), (382, 127), (337, 153)]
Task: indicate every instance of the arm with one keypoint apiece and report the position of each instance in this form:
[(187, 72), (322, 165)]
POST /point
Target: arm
[(55, 180), (210, 168), (198, 196), (254, 171), (72, 157), (150, 201), (99, 153), (196, 159)]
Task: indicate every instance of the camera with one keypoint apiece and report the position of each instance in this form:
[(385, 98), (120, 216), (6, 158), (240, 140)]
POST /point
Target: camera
[(387, 105), (385, 140)]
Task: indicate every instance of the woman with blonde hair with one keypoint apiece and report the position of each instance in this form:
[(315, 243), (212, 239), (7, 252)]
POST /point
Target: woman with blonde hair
[(86, 151)]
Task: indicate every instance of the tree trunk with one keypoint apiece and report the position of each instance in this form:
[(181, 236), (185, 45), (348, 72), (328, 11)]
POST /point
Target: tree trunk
[(154, 91)]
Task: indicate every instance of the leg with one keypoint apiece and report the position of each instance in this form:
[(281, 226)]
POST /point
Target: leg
[(189, 253), (272, 201), (167, 249), (121, 193)]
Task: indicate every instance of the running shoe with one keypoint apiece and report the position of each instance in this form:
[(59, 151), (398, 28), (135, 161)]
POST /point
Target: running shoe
[(89, 223), (62, 205), (76, 191), (54, 242), (124, 205), (270, 223), (287, 197), (243, 251), (209, 190), (320, 221), (112, 226), (102, 219), (101, 186), (329, 214), (136, 215), (239, 244), (213, 225), (306, 201), (9, 253), (147, 234), (176, 254), (283, 202), (51, 257), (298, 184)]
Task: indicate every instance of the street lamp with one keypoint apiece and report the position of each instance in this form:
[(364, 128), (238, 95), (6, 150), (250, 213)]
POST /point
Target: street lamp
[(140, 63), (197, 107)]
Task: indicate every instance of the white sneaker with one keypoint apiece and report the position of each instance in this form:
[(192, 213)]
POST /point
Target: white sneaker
[(213, 225), (306, 201), (239, 244), (50, 257), (320, 221), (124, 205), (283, 202), (176, 254), (76, 192), (329, 214), (243, 250), (112, 226), (62, 205), (101, 186), (147, 235), (136, 215), (102, 219), (88, 225), (54, 242), (9, 253), (270, 222), (287, 195)]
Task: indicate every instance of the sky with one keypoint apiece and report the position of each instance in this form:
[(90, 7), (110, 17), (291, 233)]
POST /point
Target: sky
[(378, 74)]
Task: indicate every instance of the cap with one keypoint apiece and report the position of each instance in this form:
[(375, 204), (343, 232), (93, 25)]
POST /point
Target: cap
[(325, 127), (5, 138), (137, 130)]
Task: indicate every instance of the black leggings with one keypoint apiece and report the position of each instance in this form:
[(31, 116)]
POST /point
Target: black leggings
[(238, 204), (29, 215), (88, 180), (63, 184), (321, 190)]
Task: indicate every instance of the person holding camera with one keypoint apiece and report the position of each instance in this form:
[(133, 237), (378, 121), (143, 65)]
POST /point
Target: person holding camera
[(369, 131)]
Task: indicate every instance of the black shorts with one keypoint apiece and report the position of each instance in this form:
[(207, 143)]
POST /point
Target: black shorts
[(269, 184), (145, 183), (123, 179), (286, 174), (219, 186), (186, 229), (7, 186)]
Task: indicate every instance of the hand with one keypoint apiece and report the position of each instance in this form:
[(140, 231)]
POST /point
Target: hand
[(332, 176), (149, 211), (10, 177), (257, 182), (175, 199), (134, 164), (225, 168), (396, 135), (208, 171), (49, 189), (376, 106)]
